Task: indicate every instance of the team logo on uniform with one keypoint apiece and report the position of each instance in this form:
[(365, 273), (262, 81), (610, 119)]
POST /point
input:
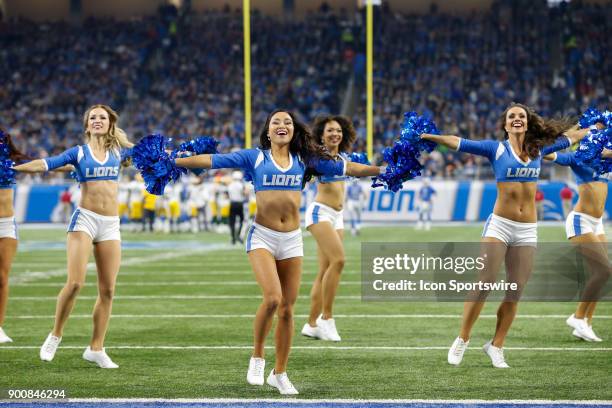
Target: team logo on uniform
[(101, 172), (287, 180), (523, 172)]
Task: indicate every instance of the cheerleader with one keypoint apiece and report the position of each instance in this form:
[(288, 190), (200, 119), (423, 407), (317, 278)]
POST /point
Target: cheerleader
[(584, 227), (8, 226), (274, 241), (325, 221), (94, 226), (510, 232)]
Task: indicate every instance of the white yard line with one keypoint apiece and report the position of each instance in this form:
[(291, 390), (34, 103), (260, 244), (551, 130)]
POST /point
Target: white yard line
[(249, 316), (172, 283), (173, 297), (362, 348), (41, 275), (363, 402)]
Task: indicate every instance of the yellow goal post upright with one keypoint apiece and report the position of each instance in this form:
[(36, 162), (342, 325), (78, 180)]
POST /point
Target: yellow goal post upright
[(370, 77), (246, 24), (246, 21)]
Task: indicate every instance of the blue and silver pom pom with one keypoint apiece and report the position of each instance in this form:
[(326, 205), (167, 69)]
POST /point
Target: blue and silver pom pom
[(593, 116), (200, 145), (155, 163), (591, 147), (403, 157), (7, 174)]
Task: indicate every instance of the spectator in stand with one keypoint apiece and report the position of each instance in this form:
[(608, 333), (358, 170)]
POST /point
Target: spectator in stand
[(566, 199), (66, 201), (539, 199), (182, 75)]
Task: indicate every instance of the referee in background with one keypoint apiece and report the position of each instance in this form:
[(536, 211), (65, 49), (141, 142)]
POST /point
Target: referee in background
[(238, 195)]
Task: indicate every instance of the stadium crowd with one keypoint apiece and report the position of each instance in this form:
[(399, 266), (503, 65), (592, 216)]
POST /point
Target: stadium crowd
[(181, 74)]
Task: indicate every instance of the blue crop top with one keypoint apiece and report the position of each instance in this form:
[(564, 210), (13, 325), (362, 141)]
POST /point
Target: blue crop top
[(582, 173), (324, 178), (508, 167), (268, 175), (86, 166)]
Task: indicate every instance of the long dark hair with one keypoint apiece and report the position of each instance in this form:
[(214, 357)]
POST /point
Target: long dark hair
[(540, 131), (348, 131), (301, 144), (14, 153)]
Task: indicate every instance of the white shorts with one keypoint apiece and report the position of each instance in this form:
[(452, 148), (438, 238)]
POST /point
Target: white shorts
[(98, 227), (317, 212), (8, 228), (512, 233), (424, 206), (282, 245), (353, 205), (579, 224)]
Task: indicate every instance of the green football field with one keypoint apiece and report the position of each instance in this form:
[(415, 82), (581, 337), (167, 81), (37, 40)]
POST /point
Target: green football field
[(183, 313)]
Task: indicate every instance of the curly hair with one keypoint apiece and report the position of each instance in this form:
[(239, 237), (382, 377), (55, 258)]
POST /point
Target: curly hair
[(348, 131), (15, 154), (540, 131)]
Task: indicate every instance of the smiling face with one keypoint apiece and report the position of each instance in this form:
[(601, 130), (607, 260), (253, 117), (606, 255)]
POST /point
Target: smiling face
[(516, 121), (98, 122), (332, 135), (280, 130)]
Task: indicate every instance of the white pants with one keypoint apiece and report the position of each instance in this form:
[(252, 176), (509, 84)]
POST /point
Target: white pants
[(579, 224), (98, 227), (282, 245), (8, 228), (317, 212), (512, 233)]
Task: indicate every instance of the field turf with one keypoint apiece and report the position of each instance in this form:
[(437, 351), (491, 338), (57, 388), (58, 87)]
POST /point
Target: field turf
[(182, 321)]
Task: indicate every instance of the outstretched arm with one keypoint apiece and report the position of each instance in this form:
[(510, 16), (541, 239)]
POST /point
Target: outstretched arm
[(575, 134), (486, 148), (201, 161), (34, 166), (362, 170), (452, 142), (60, 162), (241, 159)]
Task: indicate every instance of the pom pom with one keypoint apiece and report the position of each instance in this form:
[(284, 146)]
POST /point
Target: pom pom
[(593, 116), (590, 117), (403, 157), (589, 151), (126, 154), (5, 150), (155, 164), (359, 158), (606, 118), (606, 166), (200, 145), (7, 174), (412, 129)]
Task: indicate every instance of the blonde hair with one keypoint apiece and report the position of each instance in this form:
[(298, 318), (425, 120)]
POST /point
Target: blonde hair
[(116, 138)]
